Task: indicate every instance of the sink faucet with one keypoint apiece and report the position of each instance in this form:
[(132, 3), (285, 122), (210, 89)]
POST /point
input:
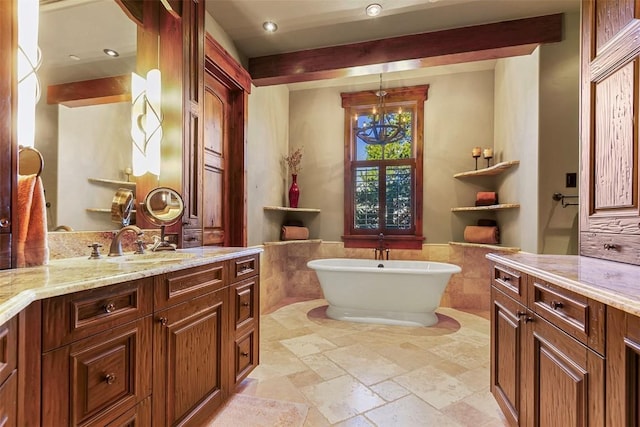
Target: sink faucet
[(116, 244)]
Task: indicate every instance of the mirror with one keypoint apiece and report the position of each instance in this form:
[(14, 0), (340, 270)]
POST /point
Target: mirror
[(86, 149), (163, 206)]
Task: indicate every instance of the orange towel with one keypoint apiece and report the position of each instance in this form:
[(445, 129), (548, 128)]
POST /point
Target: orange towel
[(294, 233), (32, 247), (478, 234), (486, 198)]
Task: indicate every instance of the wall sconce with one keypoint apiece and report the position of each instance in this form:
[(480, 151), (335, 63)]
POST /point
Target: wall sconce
[(146, 122), (28, 59)]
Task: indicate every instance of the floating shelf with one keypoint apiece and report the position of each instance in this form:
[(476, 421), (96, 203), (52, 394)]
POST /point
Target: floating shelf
[(486, 246), (284, 209), (490, 171), (486, 208), (112, 182), (103, 210)]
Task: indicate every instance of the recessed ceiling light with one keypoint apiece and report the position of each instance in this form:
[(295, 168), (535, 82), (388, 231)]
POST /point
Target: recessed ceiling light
[(373, 9), (269, 26), (74, 57), (111, 53)]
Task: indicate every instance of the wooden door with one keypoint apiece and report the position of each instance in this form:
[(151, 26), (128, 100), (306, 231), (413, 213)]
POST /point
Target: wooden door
[(623, 369), (508, 356), (8, 150), (568, 380), (217, 121), (610, 209), (190, 354)]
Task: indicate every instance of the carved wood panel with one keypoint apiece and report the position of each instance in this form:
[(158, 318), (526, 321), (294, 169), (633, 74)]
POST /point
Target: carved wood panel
[(614, 173), (611, 18)]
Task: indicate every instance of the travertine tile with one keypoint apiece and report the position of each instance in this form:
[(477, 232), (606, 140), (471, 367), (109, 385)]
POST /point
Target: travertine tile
[(409, 411), (364, 364), (342, 398), (357, 374)]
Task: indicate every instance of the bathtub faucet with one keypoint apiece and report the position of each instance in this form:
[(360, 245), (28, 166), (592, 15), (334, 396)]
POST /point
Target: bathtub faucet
[(381, 252)]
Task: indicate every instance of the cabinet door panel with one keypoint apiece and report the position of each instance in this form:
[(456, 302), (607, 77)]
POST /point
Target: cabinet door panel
[(507, 355), (93, 380), (189, 361), (569, 378), (9, 401)]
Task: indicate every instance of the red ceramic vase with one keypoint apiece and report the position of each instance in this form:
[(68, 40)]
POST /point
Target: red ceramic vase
[(294, 192)]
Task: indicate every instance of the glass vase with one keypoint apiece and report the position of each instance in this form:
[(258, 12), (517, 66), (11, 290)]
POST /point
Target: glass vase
[(294, 192)]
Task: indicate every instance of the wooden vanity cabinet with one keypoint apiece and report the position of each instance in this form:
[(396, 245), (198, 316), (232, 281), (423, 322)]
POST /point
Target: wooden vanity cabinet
[(543, 368), (190, 345), (96, 360)]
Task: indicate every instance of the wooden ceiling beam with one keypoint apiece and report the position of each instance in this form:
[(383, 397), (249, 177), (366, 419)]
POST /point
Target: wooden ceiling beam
[(91, 92), (465, 44)]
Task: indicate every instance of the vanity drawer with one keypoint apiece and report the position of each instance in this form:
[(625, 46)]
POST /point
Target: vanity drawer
[(244, 267), (575, 314), (246, 355), (182, 285), (510, 281), (68, 318), (245, 302), (191, 238)]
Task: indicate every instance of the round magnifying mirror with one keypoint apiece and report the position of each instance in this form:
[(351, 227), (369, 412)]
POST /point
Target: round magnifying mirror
[(163, 206)]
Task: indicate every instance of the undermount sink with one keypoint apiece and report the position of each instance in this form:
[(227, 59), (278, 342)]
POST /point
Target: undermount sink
[(150, 258)]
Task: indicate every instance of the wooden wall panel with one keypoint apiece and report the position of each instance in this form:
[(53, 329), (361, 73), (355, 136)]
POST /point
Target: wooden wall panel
[(611, 17)]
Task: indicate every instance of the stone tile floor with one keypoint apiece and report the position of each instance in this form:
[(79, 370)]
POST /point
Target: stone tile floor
[(356, 374)]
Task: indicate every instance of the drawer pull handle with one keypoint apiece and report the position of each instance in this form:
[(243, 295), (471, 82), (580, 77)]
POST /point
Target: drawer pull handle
[(163, 321), (110, 378), (244, 354), (506, 278), (245, 304), (610, 246), (528, 319), (556, 305), (245, 269), (109, 308), (521, 313)]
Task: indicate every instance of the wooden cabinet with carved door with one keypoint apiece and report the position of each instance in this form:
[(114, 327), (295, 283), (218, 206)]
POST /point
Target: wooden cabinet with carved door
[(623, 368), (8, 373), (610, 152), (190, 345)]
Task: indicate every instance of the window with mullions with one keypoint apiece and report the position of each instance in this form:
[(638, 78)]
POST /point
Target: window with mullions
[(383, 166)]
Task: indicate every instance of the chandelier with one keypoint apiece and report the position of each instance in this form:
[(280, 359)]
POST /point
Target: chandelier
[(380, 130)]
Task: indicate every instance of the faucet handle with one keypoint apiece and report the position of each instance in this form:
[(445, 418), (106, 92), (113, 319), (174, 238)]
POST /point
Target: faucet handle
[(141, 247), (95, 251)]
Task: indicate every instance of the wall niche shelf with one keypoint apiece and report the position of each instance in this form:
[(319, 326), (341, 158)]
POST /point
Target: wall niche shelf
[(112, 182), (486, 208), (285, 209), (496, 169)]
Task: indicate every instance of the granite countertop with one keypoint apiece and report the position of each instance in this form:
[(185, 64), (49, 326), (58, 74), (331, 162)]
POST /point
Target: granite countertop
[(612, 283), (19, 287)]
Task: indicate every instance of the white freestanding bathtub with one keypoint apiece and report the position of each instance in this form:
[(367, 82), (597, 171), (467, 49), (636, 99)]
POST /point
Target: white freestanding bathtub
[(386, 292)]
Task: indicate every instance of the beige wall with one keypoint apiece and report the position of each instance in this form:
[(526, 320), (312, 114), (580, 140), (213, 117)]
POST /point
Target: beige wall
[(559, 139), (267, 142), (516, 138), (458, 116)]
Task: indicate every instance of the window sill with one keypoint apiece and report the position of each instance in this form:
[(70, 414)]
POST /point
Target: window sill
[(389, 242)]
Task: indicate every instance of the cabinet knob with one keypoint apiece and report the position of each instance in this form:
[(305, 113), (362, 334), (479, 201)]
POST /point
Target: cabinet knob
[(610, 246), (245, 304), (521, 313), (4, 222), (244, 354), (556, 305), (110, 378), (109, 308), (163, 321)]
